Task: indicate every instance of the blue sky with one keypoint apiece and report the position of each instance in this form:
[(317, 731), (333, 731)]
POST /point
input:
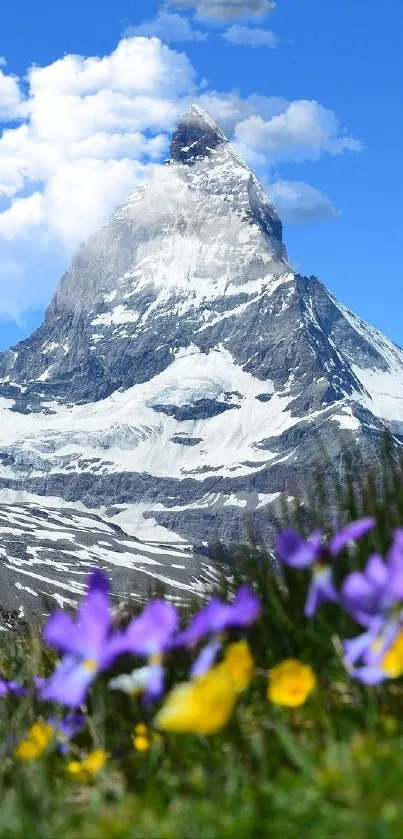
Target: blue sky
[(63, 163)]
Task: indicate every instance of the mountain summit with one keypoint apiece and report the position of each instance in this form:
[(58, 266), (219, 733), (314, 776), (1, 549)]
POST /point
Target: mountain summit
[(195, 137), (184, 376)]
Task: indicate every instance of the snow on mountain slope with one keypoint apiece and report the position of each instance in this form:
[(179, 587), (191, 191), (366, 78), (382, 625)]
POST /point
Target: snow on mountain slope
[(184, 376), (383, 381), (151, 427), (47, 553)]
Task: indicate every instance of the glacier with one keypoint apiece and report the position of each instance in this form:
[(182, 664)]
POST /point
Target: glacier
[(184, 379)]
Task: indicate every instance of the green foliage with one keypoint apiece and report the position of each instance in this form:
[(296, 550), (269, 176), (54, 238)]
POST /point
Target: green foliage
[(332, 768)]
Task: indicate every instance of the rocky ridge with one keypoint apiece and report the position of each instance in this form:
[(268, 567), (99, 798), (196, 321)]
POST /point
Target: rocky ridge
[(184, 375)]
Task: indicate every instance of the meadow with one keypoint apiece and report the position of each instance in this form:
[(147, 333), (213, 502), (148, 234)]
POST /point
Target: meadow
[(251, 716)]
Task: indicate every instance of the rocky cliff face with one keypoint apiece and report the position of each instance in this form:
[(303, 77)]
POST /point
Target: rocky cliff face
[(184, 375)]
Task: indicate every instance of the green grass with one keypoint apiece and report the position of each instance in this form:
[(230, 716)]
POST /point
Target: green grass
[(332, 768)]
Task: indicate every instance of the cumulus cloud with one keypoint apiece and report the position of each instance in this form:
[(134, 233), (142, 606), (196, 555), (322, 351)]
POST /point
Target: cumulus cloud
[(10, 95), (88, 130), (303, 131), (249, 36), (226, 9), (170, 27), (300, 203), (230, 109), (91, 128)]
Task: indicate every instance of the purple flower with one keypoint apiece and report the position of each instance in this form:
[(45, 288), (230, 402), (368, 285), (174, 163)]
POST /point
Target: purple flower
[(298, 552), (89, 644), (11, 687), (351, 533), (212, 620), (218, 616), (314, 553), (371, 593), (364, 654), (67, 728), (374, 598), (321, 589), (377, 591), (149, 636)]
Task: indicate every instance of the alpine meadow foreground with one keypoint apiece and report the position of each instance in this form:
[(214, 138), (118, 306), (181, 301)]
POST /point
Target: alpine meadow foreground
[(275, 707)]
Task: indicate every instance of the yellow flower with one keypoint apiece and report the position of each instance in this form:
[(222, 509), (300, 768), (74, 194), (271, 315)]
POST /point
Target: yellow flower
[(392, 663), (36, 742), (239, 664), (87, 768), (143, 738), (141, 743), (202, 706), (290, 683)]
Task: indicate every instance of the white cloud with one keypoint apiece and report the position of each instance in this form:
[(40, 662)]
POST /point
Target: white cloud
[(304, 131), (249, 36), (226, 9), (22, 214), (170, 27), (300, 203), (90, 129), (10, 95), (229, 109)]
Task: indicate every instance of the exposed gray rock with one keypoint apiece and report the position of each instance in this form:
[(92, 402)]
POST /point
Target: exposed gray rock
[(185, 371)]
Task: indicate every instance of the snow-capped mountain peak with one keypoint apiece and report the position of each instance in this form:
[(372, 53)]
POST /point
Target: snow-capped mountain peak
[(184, 376), (195, 136)]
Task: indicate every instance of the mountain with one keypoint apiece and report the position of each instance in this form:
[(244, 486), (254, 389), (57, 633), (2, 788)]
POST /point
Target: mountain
[(184, 376)]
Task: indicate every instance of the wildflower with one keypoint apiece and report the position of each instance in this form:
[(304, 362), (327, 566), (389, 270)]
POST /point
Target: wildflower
[(375, 591), (374, 656), (143, 738), (11, 687), (89, 644), (392, 662), (202, 706), (374, 598), (36, 742), (135, 683), (86, 769), (239, 665), (290, 683), (66, 728), (298, 552), (213, 620), (149, 635)]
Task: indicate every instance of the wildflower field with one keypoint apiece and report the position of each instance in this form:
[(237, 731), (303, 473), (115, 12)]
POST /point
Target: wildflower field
[(274, 708)]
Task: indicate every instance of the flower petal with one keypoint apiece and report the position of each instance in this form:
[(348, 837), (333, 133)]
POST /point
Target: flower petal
[(204, 622), (355, 530), (61, 632), (205, 659), (358, 593), (69, 683), (155, 683), (202, 706), (296, 551), (368, 675), (320, 591), (98, 581), (218, 616), (151, 632), (94, 617), (355, 648), (376, 571), (243, 611)]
